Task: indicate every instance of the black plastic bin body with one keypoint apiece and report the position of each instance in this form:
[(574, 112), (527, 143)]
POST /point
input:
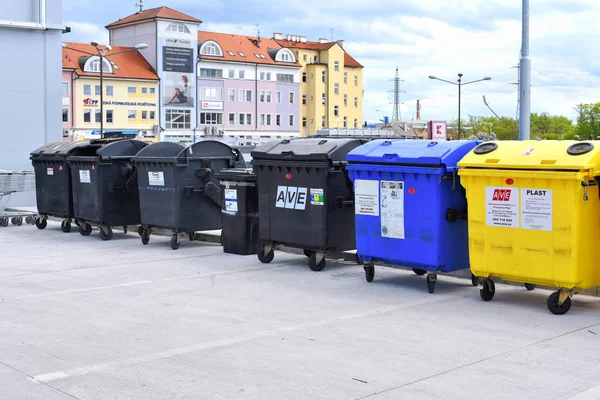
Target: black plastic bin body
[(306, 199), (105, 191), (178, 187), (54, 190), (241, 233)]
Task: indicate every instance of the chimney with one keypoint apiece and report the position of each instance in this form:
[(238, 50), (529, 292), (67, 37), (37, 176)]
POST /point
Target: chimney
[(322, 40), (288, 37), (418, 110), (341, 43), (278, 36), (303, 39)]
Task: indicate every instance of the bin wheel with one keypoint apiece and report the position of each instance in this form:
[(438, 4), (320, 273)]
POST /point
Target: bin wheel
[(18, 221), (555, 308), (106, 235), (369, 272), (488, 290), (85, 229), (530, 286), (65, 226), (145, 236), (308, 252), (431, 281), (221, 238), (474, 280), (192, 236), (140, 230), (30, 220), (125, 229), (265, 259), (419, 272), (4, 222), (175, 242), (312, 263), (41, 223), (358, 260)]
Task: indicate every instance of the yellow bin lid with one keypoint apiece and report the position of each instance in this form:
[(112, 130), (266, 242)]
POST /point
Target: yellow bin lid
[(535, 154)]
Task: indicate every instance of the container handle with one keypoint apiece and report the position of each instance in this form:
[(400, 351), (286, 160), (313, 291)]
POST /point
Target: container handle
[(341, 203), (453, 215)]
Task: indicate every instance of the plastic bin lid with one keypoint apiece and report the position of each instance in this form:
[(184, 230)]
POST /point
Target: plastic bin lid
[(306, 149), (237, 174), (534, 154), (120, 148), (59, 148), (205, 149), (412, 152)]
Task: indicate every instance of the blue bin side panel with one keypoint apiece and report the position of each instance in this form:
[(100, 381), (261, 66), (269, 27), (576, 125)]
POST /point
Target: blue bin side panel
[(430, 241)]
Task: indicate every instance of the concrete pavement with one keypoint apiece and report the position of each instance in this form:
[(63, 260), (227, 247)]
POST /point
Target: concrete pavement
[(86, 319)]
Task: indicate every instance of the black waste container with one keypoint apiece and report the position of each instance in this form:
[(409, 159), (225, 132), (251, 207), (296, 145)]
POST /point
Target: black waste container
[(178, 187), (54, 193), (306, 199), (105, 191), (240, 233)]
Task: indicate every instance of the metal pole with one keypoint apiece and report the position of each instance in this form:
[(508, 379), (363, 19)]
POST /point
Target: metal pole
[(459, 87), (101, 96), (525, 79)]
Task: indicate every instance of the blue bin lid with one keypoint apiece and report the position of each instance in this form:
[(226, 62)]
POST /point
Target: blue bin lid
[(412, 152)]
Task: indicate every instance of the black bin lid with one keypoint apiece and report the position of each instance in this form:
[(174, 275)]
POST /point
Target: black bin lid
[(58, 149), (307, 149), (237, 175), (120, 149), (206, 149)]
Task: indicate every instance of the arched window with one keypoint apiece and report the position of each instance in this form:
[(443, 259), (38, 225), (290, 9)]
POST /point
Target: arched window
[(179, 28), (285, 55), (211, 49), (93, 65)]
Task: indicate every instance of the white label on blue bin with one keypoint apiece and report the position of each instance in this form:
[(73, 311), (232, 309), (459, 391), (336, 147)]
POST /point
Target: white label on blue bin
[(392, 209), (366, 195), (536, 209), (156, 178), (502, 206), (230, 194), (84, 176), (231, 205), (291, 197)]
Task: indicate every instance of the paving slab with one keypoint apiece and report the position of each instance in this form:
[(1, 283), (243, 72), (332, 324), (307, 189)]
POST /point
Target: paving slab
[(90, 319)]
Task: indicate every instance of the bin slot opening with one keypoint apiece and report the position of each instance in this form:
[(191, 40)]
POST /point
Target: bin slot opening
[(492, 161), (548, 162)]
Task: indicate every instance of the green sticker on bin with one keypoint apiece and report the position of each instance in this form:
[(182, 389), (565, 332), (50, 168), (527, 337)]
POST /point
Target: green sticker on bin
[(317, 198)]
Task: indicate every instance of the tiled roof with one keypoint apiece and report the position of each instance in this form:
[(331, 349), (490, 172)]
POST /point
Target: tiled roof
[(349, 61), (306, 45), (153, 13), (130, 65), (246, 45)]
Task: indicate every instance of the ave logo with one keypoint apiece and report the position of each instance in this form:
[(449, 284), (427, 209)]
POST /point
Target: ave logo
[(291, 197), (501, 195)]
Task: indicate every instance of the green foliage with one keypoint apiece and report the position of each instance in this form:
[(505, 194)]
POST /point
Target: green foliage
[(588, 121), (543, 126)]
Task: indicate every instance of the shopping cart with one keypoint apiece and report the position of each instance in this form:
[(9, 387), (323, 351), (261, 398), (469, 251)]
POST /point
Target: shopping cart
[(12, 182)]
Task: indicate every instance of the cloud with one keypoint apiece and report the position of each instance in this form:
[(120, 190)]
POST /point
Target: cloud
[(85, 32)]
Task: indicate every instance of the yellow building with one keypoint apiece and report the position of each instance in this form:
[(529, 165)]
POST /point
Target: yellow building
[(130, 87), (331, 84)]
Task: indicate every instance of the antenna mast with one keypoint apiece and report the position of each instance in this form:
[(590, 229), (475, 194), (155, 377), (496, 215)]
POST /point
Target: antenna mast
[(141, 5)]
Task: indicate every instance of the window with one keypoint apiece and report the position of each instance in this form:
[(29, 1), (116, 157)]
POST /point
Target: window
[(65, 114), (241, 54), (356, 102), (132, 115), (355, 80), (211, 73), (303, 99), (177, 119), (323, 99), (211, 118), (97, 90), (231, 94), (345, 122), (97, 116), (242, 74), (87, 116), (152, 116), (231, 53), (345, 78), (245, 95), (304, 77), (262, 76), (336, 111), (109, 116), (262, 96), (110, 91), (209, 93), (292, 97), (94, 66), (336, 88), (179, 28), (278, 97), (132, 90), (231, 118), (249, 96), (336, 66), (292, 119), (231, 73), (211, 49), (242, 119), (285, 78), (268, 96), (304, 122), (268, 119), (249, 119), (144, 90), (323, 121), (65, 88), (87, 90), (316, 59), (262, 119), (268, 76), (144, 114), (345, 100), (323, 76), (304, 58), (152, 90), (286, 57), (278, 119), (355, 123)]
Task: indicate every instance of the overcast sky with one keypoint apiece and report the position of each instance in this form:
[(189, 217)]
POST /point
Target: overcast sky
[(433, 37)]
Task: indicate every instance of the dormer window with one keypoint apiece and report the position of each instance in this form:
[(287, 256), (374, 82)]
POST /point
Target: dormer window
[(93, 65), (285, 55), (179, 28), (211, 49)]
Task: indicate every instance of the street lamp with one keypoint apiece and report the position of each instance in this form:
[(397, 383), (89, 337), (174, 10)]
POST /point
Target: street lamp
[(102, 54), (460, 84)]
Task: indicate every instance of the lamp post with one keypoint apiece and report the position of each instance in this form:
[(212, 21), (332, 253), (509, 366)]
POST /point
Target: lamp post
[(460, 84), (102, 54)]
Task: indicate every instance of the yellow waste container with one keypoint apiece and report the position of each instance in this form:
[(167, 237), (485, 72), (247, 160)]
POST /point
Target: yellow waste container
[(534, 215)]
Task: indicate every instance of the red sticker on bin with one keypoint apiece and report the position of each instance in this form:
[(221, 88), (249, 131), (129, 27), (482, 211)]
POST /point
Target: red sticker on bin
[(412, 191)]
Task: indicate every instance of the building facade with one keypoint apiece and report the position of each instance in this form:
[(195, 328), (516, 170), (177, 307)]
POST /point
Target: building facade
[(130, 93), (331, 84)]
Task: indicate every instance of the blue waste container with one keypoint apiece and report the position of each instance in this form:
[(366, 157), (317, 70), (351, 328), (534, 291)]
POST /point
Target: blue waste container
[(410, 207)]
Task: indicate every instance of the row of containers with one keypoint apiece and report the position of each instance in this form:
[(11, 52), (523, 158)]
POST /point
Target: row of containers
[(524, 211)]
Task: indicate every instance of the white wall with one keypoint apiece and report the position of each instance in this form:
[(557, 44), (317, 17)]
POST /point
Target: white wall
[(250, 70), (136, 34)]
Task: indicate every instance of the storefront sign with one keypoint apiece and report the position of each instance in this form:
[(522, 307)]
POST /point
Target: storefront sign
[(88, 102), (211, 105)]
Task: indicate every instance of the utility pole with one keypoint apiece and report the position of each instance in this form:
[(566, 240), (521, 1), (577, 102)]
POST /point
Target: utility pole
[(396, 115), (525, 79)]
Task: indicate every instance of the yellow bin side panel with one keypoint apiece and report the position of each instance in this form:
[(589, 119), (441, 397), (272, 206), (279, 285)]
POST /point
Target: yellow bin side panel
[(563, 257)]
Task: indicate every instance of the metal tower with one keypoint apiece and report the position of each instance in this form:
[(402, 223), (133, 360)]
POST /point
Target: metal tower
[(396, 115)]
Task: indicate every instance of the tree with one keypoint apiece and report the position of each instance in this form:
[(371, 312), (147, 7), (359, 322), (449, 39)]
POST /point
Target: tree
[(588, 121)]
